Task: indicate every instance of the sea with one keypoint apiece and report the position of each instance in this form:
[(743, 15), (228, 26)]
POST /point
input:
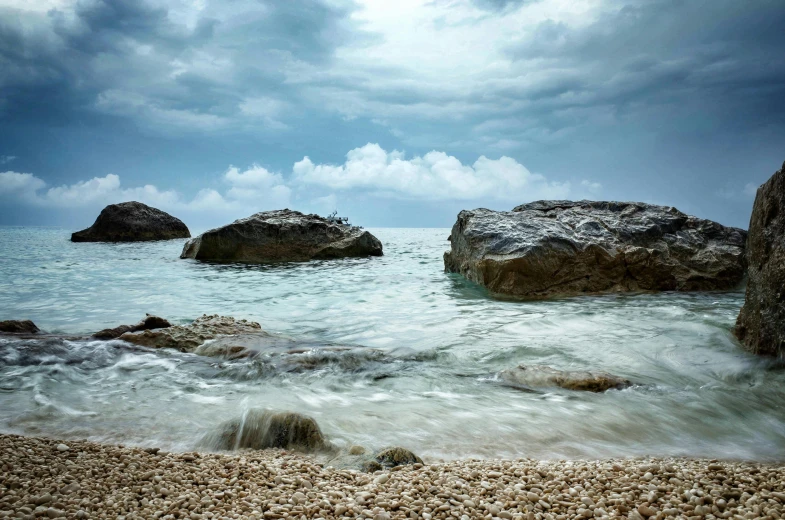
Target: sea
[(421, 369)]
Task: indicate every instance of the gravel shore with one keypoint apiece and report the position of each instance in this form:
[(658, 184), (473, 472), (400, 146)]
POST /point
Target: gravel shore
[(69, 479)]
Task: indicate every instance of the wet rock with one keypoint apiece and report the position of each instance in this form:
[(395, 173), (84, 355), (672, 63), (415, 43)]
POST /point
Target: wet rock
[(132, 222), (18, 327), (536, 376), (187, 338), (761, 323), (396, 456), (358, 458), (260, 429), (281, 236), (556, 248), (148, 323)]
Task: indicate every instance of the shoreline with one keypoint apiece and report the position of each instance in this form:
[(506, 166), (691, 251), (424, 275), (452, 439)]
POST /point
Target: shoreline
[(48, 478)]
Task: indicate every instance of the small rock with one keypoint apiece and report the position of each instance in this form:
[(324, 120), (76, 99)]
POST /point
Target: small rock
[(62, 447)]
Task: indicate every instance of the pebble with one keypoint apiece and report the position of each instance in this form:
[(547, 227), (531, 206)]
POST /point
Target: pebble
[(89, 480), (62, 447)]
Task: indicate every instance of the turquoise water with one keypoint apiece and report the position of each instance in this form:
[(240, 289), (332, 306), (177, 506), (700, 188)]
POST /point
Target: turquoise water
[(422, 375)]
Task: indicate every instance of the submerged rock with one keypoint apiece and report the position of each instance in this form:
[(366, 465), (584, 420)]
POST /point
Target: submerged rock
[(556, 248), (281, 236), (132, 222), (149, 322), (18, 327), (261, 429), (187, 338), (761, 323), (358, 458), (535, 376)]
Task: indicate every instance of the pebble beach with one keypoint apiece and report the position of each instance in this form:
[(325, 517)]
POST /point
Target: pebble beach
[(45, 478)]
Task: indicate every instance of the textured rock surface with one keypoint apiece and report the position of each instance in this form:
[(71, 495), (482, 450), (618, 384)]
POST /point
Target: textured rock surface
[(281, 236), (360, 459), (149, 322), (18, 327), (260, 429), (555, 248), (537, 376), (761, 323), (132, 222), (187, 338)]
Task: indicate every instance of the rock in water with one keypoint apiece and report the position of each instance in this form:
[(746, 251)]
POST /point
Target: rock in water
[(187, 338), (560, 248), (536, 376), (18, 327), (281, 236), (260, 429), (761, 323), (149, 322), (132, 222), (359, 459)]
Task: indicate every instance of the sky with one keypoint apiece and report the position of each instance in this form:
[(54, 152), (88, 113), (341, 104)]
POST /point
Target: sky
[(393, 113)]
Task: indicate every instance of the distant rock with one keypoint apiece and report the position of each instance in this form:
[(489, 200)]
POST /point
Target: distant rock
[(761, 323), (560, 248), (18, 327), (541, 376), (149, 322), (188, 338), (132, 222), (281, 236), (261, 429)]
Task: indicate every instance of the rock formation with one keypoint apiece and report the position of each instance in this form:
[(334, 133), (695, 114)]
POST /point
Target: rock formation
[(132, 222), (261, 429), (18, 327), (149, 322), (761, 323), (559, 248), (540, 376), (188, 338), (281, 236)]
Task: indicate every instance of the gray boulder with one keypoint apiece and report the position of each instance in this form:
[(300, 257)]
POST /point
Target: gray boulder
[(560, 248), (541, 376), (261, 429), (281, 236), (132, 222), (18, 327), (761, 323)]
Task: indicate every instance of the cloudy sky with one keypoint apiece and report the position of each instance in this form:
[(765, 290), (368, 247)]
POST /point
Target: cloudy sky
[(394, 113)]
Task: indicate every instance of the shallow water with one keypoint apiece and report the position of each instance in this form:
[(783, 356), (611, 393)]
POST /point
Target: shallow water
[(422, 373)]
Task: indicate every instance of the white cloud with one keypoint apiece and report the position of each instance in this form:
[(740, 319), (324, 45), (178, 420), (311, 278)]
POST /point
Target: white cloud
[(15, 183), (5, 159), (434, 176)]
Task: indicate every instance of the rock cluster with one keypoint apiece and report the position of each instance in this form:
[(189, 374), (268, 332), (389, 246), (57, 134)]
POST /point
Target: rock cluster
[(281, 236), (75, 479), (18, 327), (188, 338), (537, 376), (149, 322), (559, 248), (132, 222), (761, 323)]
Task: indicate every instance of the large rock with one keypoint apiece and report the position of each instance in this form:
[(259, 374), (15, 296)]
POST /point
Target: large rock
[(541, 376), (149, 322), (188, 338), (132, 222), (261, 429), (761, 323), (18, 327), (281, 236), (555, 248)]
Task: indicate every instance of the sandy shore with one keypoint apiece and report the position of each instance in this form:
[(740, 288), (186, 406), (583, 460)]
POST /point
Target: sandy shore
[(53, 479)]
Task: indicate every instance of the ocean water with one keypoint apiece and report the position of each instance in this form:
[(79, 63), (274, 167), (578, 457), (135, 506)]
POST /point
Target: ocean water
[(421, 373)]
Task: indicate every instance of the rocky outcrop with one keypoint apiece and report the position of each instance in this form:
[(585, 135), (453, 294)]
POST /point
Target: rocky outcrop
[(541, 376), (559, 248), (188, 338), (18, 327), (132, 222), (281, 236), (148, 323), (761, 323), (261, 429)]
